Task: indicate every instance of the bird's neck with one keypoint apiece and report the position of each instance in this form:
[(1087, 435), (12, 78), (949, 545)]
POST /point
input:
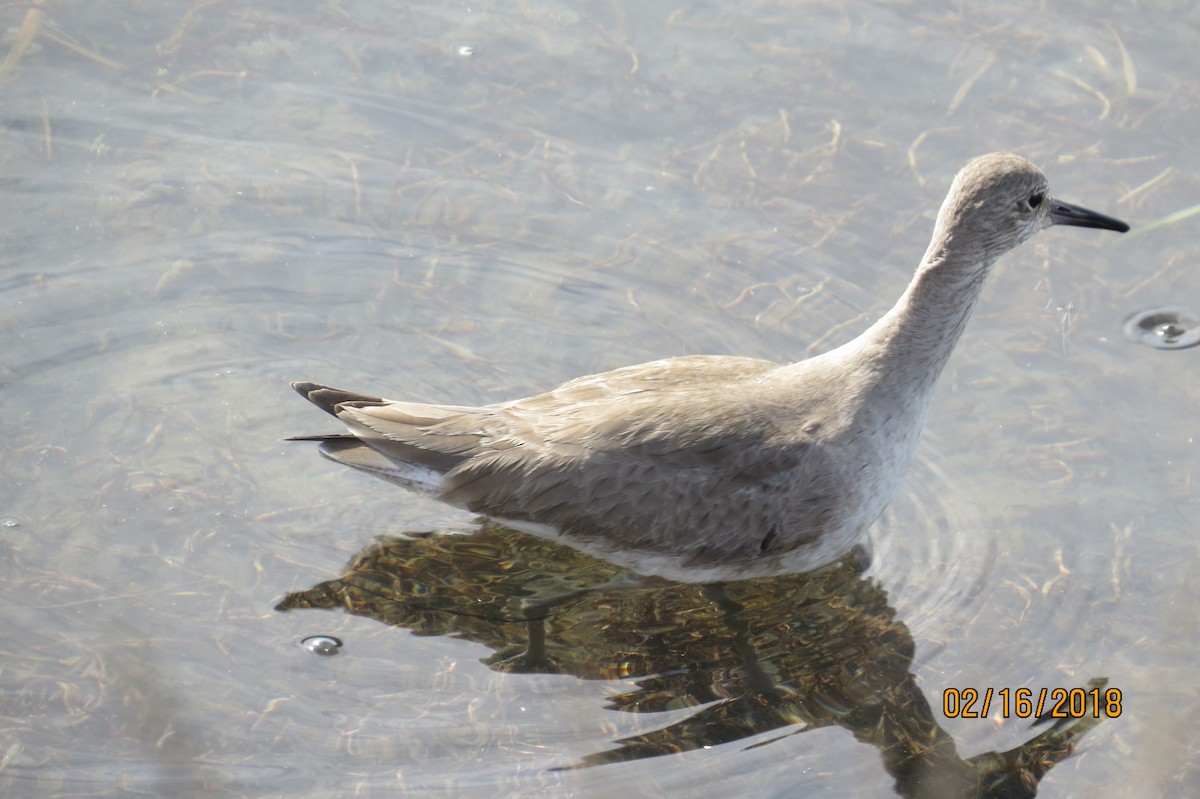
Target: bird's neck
[(915, 338)]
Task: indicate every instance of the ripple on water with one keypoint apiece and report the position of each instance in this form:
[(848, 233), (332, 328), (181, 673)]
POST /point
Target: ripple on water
[(322, 644), (933, 550), (466, 49), (1171, 327)]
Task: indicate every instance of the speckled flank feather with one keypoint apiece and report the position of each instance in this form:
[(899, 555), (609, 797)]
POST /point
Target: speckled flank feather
[(716, 467)]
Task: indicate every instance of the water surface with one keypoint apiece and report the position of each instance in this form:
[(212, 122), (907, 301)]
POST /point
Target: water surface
[(471, 202)]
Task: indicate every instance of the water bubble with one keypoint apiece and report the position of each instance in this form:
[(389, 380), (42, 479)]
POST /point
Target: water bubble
[(322, 644), (9, 521), (1171, 327), (467, 49)]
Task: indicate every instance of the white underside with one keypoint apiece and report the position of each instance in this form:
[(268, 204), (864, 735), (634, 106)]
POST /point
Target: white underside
[(675, 566), (672, 566)]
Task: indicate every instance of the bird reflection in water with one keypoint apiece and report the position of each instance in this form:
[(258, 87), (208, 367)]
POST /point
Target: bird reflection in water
[(791, 653)]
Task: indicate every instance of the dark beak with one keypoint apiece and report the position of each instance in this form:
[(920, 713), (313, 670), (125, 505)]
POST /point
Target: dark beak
[(1062, 213)]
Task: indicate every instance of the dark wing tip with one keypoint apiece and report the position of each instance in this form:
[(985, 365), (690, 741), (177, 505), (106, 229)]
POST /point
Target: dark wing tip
[(303, 388), (327, 399), (318, 395)]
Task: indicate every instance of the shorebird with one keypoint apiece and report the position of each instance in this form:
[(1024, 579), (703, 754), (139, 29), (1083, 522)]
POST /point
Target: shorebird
[(703, 468)]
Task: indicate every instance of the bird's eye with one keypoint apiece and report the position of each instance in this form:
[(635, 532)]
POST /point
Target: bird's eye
[(1036, 198)]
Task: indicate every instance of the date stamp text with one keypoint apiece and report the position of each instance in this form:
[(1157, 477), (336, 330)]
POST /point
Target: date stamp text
[(1030, 703)]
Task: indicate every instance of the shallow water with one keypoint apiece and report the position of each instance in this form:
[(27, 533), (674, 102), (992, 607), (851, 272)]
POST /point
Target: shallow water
[(467, 203)]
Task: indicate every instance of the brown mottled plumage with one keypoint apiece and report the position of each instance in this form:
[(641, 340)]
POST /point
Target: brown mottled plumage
[(717, 467)]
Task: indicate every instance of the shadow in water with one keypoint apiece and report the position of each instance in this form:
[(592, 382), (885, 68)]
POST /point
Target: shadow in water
[(790, 653)]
